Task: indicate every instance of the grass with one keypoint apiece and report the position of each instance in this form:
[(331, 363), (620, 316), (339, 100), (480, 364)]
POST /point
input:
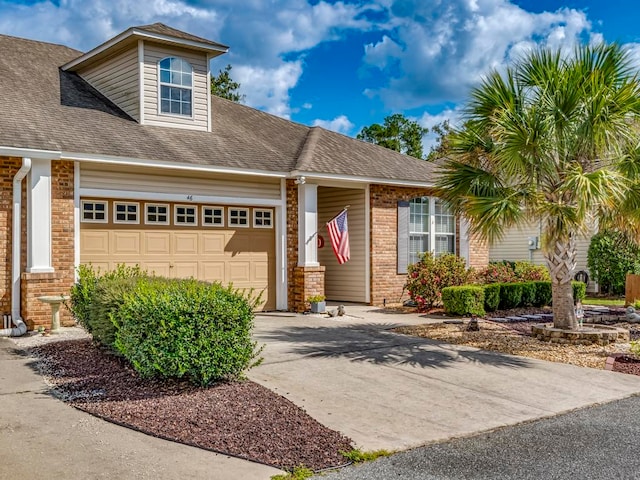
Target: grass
[(298, 473), (607, 302), (355, 456)]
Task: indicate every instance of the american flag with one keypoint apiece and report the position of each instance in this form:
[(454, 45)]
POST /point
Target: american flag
[(339, 235)]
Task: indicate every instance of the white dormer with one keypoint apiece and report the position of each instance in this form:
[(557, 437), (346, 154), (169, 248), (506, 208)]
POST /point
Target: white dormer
[(156, 74)]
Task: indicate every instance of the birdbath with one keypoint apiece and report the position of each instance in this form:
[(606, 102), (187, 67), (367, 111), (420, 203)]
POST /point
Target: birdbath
[(54, 301)]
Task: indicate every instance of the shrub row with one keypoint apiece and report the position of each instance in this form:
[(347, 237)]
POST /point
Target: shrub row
[(168, 328), (476, 299)]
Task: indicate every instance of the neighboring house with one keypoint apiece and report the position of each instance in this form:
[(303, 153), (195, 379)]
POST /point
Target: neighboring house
[(121, 155), (525, 243)]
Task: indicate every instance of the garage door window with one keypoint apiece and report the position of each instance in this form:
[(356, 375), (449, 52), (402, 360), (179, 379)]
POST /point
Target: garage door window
[(213, 216), (157, 214), (185, 215), (125, 212), (262, 218), (238, 217), (94, 212)]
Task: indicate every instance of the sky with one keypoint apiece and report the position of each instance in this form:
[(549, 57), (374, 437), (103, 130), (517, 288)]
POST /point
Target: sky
[(346, 64)]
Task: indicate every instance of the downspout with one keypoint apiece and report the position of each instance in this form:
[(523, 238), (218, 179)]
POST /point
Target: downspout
[(16, 260)]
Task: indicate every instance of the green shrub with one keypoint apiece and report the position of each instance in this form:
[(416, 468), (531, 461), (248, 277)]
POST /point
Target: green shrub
[(427, 277), (579, 291), (83, 292), (543, 293), (186, 329), (496, 272), (611, 255), (528, 294), (491, 297), (510, 295), (464, 300), (526, 271)]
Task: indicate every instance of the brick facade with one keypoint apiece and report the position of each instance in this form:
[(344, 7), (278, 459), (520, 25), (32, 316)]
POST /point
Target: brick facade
[(34, 285)]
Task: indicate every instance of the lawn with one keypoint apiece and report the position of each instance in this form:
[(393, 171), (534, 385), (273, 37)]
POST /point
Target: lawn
[(607, 302)]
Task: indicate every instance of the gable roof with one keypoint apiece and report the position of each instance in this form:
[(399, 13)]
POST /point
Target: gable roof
[(47, 108)]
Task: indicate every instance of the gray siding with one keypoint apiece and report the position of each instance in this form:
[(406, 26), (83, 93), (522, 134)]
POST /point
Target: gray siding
[(153, 53), (117, 79), (344, 282)]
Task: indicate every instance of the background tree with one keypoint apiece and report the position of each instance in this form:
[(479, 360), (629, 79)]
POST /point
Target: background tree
[(397, 133), (548, 140), (443, 130), (224, 86)]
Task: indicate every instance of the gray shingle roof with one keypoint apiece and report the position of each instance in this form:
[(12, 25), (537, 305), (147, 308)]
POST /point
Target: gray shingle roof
[(162, 29), (50, 109)]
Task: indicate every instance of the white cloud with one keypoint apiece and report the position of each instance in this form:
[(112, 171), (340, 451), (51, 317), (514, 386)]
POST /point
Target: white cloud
[(340, 124), (454, 116), (437, 50)]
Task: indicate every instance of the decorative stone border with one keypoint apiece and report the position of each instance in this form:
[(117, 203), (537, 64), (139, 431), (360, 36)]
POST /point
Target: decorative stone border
[(611, 359), (589, 334)]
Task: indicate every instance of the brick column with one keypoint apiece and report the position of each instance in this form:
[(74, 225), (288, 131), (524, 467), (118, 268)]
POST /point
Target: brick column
[(307, 281)]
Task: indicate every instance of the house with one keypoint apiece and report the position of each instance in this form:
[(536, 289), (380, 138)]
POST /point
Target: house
[(121, 155)]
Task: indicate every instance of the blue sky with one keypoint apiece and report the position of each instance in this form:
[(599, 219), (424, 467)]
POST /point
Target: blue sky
[(345, 64)]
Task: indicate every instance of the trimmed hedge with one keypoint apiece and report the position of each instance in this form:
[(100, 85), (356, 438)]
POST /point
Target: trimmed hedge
[(579, 291), (543, 294), (464, 300), (491, 297), (186, 329), (510, 295), (528, 294)]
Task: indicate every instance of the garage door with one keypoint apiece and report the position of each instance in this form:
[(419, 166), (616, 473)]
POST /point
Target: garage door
[(228, 244)]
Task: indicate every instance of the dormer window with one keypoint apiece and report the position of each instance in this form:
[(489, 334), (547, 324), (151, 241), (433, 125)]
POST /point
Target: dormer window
[(176, 86)]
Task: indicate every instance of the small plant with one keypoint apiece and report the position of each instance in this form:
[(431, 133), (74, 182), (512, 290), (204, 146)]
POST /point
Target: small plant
[(298, 473), (427, 277), (358, 456), (464, 300), (510, 295), (579, 291), (316, 298), (636, 304), (491, 297)]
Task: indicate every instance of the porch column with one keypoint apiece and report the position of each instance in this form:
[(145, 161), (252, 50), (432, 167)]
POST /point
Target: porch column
[(307, 225), (464, 239), (39, 217)]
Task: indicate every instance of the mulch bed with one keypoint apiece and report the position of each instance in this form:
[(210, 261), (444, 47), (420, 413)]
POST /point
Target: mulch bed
[(627, 364), (242, 419)]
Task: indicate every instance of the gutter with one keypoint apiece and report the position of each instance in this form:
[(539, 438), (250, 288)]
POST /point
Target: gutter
[(16, 260)]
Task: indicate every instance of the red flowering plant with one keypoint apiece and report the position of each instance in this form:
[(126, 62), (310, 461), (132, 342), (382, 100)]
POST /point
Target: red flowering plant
[(510, 272), (427, 277)]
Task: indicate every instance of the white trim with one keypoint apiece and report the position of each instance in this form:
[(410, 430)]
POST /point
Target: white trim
[(76, 218), (185, 206), (139, 33), (30, 153), (16, 244), (263, 210), (160, 164), (209, 112), (141, 80), (238, 209), (282, 262), (177, 197), (146, 219), (126, 204), (367, 243), (212, 207), (39, 210), (308, 225), (310, 176), (93, 220)]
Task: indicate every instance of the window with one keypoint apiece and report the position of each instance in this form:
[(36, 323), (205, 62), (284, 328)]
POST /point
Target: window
[(94, 212), (262, 218), (425, 224), (176, 86), (185, 215), (238, 217), (419, 222), (213, 216), (156, 213), (125, 212)]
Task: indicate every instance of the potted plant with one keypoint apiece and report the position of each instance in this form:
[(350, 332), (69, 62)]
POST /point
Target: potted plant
[(317, 303)]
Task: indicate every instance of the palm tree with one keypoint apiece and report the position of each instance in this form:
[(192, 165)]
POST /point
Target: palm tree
[(547, 140)]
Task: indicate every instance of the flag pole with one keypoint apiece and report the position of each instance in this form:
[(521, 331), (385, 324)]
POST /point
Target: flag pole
[(329, 221)]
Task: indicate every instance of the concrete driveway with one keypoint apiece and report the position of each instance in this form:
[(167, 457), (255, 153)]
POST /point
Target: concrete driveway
[(395, 392)]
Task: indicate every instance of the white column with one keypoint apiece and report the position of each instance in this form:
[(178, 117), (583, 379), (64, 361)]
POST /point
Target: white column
[(39, 217), (464, 239), (307, 225)]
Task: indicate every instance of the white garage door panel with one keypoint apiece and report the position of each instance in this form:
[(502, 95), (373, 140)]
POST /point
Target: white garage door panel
[(211, 271), (95, 243), (125, 243), (185, 243), (212, 243), (161, 269), (156, 243)]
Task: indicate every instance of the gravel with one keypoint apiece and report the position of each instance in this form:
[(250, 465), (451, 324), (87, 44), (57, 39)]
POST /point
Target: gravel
[(242, 419)]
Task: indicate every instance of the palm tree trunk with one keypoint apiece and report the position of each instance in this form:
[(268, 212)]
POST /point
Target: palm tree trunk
[(561, 260)]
